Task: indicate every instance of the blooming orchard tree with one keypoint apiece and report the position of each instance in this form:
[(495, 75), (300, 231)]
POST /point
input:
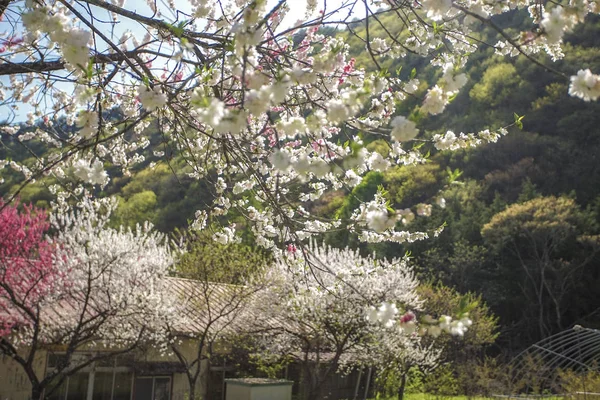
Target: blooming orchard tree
[(258, 111), (102, 287), (400, 347), (392, 351), (322, 316), (213, 306), (28, 275)]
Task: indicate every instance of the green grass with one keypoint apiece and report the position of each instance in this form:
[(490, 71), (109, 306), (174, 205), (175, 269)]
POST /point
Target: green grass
[(426, 396)]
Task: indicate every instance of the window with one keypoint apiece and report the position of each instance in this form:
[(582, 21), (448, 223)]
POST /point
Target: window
[(152, 388), (102, 380)]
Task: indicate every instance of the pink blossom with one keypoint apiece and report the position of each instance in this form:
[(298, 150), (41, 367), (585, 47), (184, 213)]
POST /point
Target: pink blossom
[(27, 271), (407, 317)]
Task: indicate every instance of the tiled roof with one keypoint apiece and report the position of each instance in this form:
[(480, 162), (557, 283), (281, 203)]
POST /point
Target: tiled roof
[(198, 302)]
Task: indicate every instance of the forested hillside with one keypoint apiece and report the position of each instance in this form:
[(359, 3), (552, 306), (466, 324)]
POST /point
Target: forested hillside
[(521, 217)]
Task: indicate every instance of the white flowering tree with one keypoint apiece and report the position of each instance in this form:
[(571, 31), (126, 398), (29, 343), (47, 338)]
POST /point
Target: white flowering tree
[(109, 293), (319, 312), (213, 307), (261, 113), (393, 351), (399, 347)]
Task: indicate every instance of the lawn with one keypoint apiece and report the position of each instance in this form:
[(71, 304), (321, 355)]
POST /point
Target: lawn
[(426, 396)]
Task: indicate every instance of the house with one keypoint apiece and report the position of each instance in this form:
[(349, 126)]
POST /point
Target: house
[(139, 375), (145, 373)]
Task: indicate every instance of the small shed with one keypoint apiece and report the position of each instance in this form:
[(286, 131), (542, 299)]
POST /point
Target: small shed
[(258, 389)]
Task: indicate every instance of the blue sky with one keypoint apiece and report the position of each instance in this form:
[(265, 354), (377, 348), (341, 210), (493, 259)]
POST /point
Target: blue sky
[(297, 12)]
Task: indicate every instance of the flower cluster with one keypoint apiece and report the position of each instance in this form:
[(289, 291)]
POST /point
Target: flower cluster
[(90, 171), (386, 316), (28, 276), (152, 98), (450, 141), (327, 307), (445, 323), (72, 41), (238, 99), (585, 85)]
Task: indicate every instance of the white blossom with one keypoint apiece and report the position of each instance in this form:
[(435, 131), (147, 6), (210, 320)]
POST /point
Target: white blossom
[(386, 314), (453, 82), (88, 122), (352, 178), (226, 236), (337, 111), (151, 98), (281, 160), (92, 172), (424, 210), (403, 129), (554, 23), (435, 101), (436, 9), (585, 85), (376, 162), (441, 202), (379, 45)]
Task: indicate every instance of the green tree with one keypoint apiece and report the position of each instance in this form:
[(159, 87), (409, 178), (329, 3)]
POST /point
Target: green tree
[(207, 260), (458, 353), (401, 373), (542, 249), (138, 208)]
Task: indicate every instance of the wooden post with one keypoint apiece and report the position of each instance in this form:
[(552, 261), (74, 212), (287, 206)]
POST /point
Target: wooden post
[(357, 384), (368, 382)]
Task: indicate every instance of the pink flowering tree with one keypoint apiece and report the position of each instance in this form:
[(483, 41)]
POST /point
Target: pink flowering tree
[(27, 271), (29, 279), (252, 109), (88, 285), (330, 316)]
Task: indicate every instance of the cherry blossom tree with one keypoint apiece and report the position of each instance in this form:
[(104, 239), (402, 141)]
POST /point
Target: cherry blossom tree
[(324, 318), (212, 306), (93, 286), (247, 105), (392, 351)]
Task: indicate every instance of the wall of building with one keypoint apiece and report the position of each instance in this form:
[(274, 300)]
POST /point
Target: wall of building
[(180, 381), (14, 383)]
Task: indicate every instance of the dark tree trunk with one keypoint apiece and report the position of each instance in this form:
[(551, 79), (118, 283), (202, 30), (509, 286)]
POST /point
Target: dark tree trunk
[(37, 393), (312, 384), (402, 387), (192, 383), (314, 393)]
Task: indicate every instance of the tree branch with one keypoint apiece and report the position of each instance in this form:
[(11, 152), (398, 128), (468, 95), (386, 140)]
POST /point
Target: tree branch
[(56, 65), (156, 23)]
